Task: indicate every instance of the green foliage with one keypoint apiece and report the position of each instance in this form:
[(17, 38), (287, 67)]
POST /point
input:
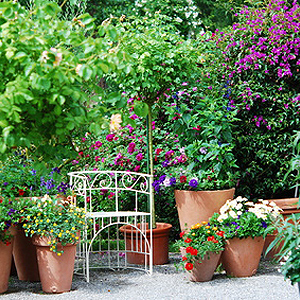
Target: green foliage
[(159, 58), (288, 235), (49, 66), (56, 219)]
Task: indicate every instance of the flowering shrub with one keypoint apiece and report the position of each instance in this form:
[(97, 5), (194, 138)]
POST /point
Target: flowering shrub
[(202, 239), (261, 74), (243, 218), (51, 217)]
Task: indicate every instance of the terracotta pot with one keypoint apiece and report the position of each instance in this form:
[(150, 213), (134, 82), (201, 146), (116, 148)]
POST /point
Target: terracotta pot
[(289, 206), (56, 272), (196, 206), (203, 270), (160, 244), (5, 263), (241, 257), (24, 254)]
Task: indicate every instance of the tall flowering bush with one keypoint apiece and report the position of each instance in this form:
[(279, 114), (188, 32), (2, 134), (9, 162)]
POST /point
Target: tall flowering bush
[(261, 75)]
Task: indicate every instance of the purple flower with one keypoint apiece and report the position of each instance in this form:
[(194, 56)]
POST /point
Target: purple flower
[(172, 181), (264, 224), (193, 183), (234, 223), (5, 183), (161, 179), (165, 163)]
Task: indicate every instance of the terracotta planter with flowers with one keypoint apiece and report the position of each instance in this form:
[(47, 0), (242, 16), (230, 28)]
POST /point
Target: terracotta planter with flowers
[(201, 249), (196, 206), (245, 223), (61, 224), (55, 269), (241, 257)]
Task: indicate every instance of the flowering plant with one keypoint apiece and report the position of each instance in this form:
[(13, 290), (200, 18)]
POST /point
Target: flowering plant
[(20, 179), (10, 216), (54, 218), (202, 239), (243, 218)]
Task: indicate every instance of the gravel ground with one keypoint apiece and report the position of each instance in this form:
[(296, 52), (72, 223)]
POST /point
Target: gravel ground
[(165, 283)]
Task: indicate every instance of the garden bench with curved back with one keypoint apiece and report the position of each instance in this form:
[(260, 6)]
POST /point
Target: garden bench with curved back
[(119, 206)]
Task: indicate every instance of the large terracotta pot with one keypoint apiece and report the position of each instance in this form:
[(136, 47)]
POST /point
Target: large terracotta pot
[(160, 244), (5, 263), (196, 206), (25, 258), (241, 257), (56, 272), (203, 270), (288, 206)]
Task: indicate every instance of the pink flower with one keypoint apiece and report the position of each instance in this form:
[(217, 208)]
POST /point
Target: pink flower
[(139, 157), (74, 162), (83, 139), (80, 153), (97, 145), (137, 168), (133, 117), (195, 89), (111, 195), (97, 158), (110, 137)]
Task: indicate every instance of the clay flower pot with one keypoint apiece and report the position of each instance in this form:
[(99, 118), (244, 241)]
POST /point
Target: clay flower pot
[(5, 263), (241, 257), (25, 258), (196, 206), (56, 272), (203, 270), (160, 244)]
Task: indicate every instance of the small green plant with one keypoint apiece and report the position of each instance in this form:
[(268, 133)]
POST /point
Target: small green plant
[(287, 241)]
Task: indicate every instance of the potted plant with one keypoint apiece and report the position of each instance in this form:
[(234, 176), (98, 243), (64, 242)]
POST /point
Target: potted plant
[(287, 240), (159, 58), (201, 247), (10, 216), (245, 224), (54, 226), (19, 180)]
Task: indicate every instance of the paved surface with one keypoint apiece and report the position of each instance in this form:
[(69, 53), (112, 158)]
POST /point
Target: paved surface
[(165, 283)]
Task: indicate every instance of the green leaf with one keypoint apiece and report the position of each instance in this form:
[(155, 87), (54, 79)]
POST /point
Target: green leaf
[(141, 109), (57, 110), (8, 13)]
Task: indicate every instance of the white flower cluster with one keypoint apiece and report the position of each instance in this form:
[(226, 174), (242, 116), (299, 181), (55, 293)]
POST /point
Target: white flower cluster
[(236, 207)]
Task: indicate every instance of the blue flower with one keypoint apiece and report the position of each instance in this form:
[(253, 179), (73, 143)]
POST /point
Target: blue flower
[(264, 224), (161, 179), (172, 181), (234, 223), (193, 183)]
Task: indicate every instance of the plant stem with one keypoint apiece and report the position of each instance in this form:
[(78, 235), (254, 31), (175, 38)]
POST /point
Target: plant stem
[(150, 159)]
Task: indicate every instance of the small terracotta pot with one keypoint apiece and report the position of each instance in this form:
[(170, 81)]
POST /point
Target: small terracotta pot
[(24, 254), (56, 272), (241, 257), (203, 270), (160, 244), (5, 263), (196, 206)]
